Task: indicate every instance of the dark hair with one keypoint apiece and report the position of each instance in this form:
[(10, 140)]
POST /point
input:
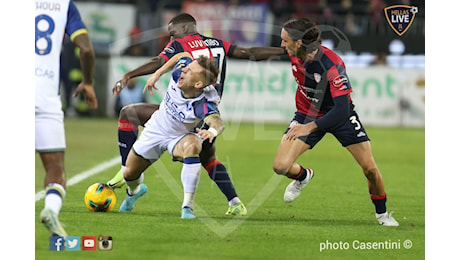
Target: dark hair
[(305, 30), (183, 18), (210, 71)]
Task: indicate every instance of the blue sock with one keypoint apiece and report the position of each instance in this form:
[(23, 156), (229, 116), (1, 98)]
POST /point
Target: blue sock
[(379, 203), (127, 135), (218, 173)]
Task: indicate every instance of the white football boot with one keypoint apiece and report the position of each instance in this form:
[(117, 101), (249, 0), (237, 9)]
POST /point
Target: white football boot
[(294, 188), (386, 219)]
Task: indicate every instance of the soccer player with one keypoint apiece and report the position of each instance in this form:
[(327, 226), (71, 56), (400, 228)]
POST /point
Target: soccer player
[(189, 98), (52, 20), (185, 38), (323, 105)]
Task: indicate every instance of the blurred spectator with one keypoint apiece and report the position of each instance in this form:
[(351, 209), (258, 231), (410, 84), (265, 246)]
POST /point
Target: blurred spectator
[(133, 93), (307, 8), (135, 48), (380, 58), (282, 10), (375, 8)]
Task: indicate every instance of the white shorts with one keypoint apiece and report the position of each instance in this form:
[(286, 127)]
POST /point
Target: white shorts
[(152, 143), (49, 132)]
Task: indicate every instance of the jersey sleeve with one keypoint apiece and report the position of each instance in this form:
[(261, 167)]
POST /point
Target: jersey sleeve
[(204, 108), (229, 48), (173, 48), (75, 25), (177, 70), (338, 81)]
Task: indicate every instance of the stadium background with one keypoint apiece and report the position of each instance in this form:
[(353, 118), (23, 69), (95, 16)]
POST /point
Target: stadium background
[(387, 71)]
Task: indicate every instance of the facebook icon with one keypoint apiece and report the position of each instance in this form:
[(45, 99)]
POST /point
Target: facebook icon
[(56, 243)]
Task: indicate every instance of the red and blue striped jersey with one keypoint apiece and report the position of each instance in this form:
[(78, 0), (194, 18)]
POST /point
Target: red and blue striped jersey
[(319, 81), (199, 45)]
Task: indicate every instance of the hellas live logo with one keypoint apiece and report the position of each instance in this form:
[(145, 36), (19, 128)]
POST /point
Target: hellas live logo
[(400, 17)]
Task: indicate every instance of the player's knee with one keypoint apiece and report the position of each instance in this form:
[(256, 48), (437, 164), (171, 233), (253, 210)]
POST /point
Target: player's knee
[(371, 173), (125, 112), (191, 144), (280, 167)]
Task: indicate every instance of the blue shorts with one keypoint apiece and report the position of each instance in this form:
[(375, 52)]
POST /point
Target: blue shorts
[(348, 133)]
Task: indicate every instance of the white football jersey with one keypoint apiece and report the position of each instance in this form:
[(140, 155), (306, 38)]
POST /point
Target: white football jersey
[(180, 115), (53, 18)]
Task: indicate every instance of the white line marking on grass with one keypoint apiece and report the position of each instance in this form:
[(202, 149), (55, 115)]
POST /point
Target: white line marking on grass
[(84, 175)]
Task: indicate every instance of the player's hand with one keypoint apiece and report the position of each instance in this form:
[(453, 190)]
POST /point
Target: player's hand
[(119, 85), (205, 134), (299, 130), (150, 85), (87, 90)]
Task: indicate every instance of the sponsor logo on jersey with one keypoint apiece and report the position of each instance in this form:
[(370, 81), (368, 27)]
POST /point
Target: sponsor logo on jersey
[(340, 81), (170, 49), (211, 42)]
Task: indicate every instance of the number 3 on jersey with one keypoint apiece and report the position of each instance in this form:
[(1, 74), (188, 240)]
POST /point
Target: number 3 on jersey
[(218, 55), (44, 27)]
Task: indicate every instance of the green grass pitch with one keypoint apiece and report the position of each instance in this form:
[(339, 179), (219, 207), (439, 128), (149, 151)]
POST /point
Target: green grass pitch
[(334, 211)]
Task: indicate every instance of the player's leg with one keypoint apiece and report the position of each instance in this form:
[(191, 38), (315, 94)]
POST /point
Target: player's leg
[(55, 189), (285, 164), (134, 178), (146, 150), (131, 117), (362, 152), (50, 143), (187, 150), (218, 173), (353, 136)]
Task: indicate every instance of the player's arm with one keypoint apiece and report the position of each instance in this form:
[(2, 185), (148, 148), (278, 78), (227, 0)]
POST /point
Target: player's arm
[(87, 66), (168, 66), (147, 68), (256, 53), (336, 116), (216, 127)]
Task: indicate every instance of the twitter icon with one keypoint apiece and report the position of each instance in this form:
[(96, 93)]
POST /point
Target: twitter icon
[(72, 243)]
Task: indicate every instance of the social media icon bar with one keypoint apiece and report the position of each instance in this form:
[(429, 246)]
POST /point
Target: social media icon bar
[(84, 243)]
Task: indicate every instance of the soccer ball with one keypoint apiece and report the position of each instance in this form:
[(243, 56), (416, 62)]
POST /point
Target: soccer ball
[(100, 198)]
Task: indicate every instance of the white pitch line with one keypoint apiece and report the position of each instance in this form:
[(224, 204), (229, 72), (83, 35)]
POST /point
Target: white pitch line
[(84, 175)]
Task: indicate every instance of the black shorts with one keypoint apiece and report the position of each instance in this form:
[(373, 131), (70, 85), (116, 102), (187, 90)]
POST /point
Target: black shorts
[(206, 145), (348, 133)]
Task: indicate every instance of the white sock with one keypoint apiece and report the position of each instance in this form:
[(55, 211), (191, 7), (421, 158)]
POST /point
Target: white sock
[(234, 201), (377, 215), (190, 176), (188, 200), (134, 185), (54, 195)]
